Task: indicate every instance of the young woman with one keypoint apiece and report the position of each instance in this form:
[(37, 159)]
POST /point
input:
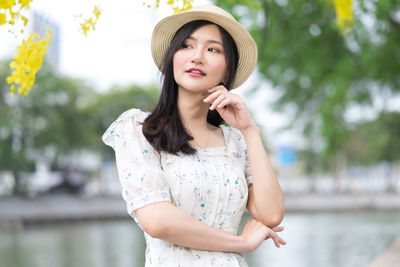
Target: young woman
[(186, 177)]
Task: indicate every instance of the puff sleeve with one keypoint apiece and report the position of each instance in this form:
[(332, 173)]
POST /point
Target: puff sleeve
[(138, 163)]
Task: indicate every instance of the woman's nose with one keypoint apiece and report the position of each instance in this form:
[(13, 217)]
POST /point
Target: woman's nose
[(198, 57)]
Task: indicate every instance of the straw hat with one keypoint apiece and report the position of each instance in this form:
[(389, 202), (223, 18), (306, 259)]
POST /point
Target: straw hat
[(165, 30)]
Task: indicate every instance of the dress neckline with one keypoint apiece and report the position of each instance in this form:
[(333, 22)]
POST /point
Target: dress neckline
[(200, 149), (216, 147)]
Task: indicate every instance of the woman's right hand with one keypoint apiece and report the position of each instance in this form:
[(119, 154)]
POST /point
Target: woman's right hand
[(254, 233)]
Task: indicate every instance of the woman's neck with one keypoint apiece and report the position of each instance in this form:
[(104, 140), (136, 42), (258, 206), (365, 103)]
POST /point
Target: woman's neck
[(192, 110)]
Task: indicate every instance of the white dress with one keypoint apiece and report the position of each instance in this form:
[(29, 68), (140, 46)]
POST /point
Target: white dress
[(212, 186)]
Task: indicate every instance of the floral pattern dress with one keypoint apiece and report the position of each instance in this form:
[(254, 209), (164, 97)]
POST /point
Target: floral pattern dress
[(212, 186)]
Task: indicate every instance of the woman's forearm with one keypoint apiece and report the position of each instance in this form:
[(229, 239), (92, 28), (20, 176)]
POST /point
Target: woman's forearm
[(265, 196), (165, 221)]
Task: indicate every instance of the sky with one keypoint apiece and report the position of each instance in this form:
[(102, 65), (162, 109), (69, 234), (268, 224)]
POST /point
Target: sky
[(118, 53)]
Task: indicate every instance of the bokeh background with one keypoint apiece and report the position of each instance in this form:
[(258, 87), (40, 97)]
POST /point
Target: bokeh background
[(325, 95)]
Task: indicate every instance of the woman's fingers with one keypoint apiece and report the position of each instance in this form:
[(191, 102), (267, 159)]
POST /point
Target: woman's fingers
[(215, 92), (218, 87), (217, 101), (278, 241), (255, 233), (220, 97), (275, 238), (224, 103), (211, 98), (278, 229)]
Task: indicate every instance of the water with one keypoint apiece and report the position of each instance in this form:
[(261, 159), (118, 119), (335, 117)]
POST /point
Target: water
[(327, 239), (331, 239)]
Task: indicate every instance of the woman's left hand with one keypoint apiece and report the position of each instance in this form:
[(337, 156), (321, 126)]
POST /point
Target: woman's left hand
[(230, 107)]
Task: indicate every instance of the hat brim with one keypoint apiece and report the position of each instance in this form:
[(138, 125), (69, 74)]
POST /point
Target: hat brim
[(165, 30)]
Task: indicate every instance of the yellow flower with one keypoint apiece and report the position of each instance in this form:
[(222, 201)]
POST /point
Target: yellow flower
[(7, 4), (85, 28), (344, 14), (10, 11), (25, 3), (90, 23), (97, 12), (27, 62), (185, 5), (3, 18)]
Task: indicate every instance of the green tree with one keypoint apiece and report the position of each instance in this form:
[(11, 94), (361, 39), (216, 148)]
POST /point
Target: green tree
[(376, 141), (13, 139), (51, 118), (62, 116), (319, 72), (111, 104)]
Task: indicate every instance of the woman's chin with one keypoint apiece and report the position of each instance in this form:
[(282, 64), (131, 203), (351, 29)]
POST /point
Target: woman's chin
[(198, 87)]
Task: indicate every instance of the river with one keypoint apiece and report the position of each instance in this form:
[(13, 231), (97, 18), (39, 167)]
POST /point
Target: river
[(314, 239)]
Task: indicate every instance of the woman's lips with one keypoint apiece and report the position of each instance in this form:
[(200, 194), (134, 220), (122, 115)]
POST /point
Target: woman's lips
[(195, 72)]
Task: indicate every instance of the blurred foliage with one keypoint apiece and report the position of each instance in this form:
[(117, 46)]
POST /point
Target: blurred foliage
[(374, 141), (62, 116), (318, 72), (111, 104)]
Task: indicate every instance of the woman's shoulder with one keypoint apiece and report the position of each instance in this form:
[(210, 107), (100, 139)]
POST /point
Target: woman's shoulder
[(124, 125), (235, 137), (233, 132), (134, 114)]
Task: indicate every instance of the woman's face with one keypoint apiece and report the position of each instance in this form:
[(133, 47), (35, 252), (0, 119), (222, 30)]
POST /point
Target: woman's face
[(200, 63)]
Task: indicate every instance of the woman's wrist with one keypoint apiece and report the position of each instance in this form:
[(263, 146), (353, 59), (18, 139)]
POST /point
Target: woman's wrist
[(240, 245), (250, 130)]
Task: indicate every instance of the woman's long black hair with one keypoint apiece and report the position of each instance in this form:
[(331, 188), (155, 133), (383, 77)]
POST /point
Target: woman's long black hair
[(163, 128)]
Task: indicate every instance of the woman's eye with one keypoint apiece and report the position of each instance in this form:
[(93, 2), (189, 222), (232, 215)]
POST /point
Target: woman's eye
[(213, 49), (185, 46)]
